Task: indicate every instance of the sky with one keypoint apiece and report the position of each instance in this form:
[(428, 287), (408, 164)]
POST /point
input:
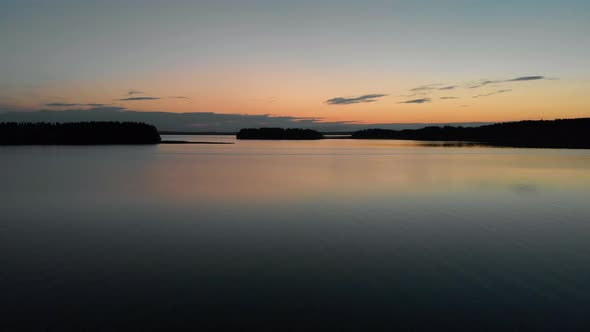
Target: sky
[(330, 61)]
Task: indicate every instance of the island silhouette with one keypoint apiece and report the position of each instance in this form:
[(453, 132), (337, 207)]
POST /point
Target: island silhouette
[(559, 133), (78, 133)]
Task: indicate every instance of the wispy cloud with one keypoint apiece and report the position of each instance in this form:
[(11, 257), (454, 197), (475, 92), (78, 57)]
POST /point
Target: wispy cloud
[(139, 98), (449, 97), (492, 93), (61, 104), (355, 100), (427, 87), (134, 92), (517, 79), (526, 78), (424, 90), (72, 105), (416, 101), (178, 97)]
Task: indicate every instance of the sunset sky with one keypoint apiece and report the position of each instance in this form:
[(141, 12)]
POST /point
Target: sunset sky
[(363, 61)]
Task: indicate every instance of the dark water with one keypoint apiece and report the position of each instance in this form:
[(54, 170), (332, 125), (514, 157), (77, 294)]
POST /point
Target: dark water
[(334, 234)]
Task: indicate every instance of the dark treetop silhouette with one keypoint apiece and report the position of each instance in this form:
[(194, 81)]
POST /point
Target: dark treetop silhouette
[(561, 133), (78, 133), (278, 133)]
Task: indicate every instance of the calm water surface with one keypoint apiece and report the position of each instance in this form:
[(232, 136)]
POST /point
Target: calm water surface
[(344, 234)]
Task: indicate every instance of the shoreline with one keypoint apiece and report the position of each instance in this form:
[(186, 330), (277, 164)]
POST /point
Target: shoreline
[(189, 142)]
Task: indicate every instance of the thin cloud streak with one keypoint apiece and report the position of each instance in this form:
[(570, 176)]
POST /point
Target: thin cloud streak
[(428, 87), (139, 98), (526, 78), (72, 105), (355, 100), (61, 104), (517, 79), (134, 92), (493, 93), (416, 101)]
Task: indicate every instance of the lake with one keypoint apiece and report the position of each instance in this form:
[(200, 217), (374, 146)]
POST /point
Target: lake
[(295, 235)]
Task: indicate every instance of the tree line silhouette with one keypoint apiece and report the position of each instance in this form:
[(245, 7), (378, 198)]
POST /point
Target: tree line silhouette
[(279, 134), (560, 133), (78, 133)]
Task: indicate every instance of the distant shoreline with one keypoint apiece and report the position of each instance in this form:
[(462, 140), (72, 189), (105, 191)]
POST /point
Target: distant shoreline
[(232, 133), (559, 134), (278, 134), (189, 133), (189, 142)]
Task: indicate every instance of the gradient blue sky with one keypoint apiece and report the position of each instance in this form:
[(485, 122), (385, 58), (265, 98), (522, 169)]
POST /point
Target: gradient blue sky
[(291, 57)]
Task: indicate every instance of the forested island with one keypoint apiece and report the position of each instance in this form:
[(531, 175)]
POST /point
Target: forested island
[(279, 134), (560, 133), (77, 133)]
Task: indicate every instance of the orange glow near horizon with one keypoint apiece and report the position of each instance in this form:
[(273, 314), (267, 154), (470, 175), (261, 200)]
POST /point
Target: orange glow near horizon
[(301, 92)]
